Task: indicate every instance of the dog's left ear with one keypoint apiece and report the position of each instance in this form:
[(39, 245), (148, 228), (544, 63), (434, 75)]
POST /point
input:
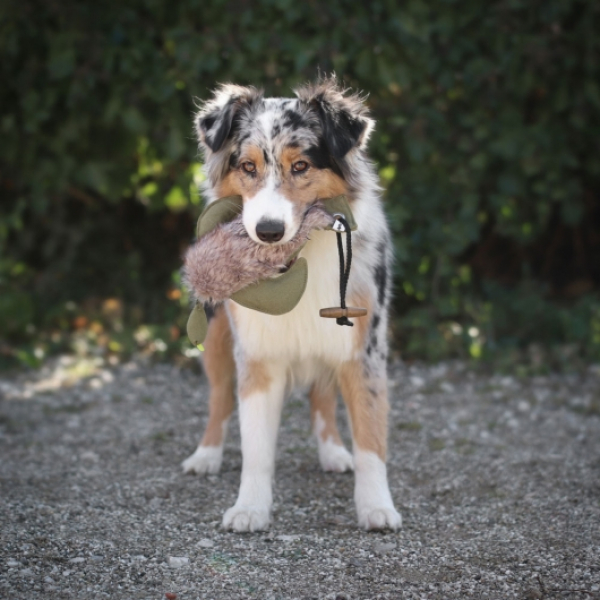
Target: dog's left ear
[(344, 117)]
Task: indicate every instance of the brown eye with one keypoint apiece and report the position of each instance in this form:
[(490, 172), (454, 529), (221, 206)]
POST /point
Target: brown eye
[(249, 167), (299, 166)]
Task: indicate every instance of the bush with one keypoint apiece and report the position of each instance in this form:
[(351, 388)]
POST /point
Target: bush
[(487, 142)]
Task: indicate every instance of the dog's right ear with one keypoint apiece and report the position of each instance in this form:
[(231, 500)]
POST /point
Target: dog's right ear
[(216, 117)]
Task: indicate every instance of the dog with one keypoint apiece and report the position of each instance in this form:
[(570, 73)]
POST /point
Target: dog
[(282, 155)]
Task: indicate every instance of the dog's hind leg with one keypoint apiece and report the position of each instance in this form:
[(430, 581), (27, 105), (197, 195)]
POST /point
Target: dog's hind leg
[(364, 388), (333, 456), (219, 367)]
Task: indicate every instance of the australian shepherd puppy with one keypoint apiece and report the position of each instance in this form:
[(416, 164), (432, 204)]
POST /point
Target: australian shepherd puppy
[(282, 155)]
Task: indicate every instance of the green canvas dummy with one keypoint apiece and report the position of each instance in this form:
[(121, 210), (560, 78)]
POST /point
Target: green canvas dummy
[(274, 296)]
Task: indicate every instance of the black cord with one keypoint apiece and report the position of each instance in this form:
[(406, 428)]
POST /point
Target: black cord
[(344, 268)]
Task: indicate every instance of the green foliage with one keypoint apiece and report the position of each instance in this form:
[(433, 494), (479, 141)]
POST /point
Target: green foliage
[(487, 142)]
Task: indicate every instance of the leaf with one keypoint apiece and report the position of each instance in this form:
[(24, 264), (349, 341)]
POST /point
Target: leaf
[(176, 200)]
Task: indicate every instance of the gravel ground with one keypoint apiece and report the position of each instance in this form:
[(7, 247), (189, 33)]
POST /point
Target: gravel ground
[(497, 479)]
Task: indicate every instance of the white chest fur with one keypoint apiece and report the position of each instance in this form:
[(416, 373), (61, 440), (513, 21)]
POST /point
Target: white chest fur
[(301, 334)]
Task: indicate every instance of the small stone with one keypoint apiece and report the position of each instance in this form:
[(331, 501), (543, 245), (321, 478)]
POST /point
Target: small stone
[(77, 559), (89, 455), (170, 596), (384, 548), (13, 563), (287, 538), (205, 543), (48, 580), (416, 381), (175, 562), (356, 562)]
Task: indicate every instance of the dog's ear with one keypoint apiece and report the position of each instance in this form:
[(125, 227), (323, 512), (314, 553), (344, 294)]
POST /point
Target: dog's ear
[(344, 117), (216, 118)]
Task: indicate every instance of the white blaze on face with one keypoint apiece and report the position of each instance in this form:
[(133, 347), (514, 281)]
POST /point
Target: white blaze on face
[(269, 205)]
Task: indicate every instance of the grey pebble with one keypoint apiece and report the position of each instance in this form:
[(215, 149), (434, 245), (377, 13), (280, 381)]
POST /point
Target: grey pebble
[(384, 548), (175, 562), (287, 538)]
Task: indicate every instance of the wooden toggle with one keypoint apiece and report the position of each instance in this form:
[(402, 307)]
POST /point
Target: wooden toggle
[(337, 312)]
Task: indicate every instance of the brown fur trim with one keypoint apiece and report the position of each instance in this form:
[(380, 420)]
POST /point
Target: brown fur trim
[(367, 403), (300, 189), (362, 324), (219, 367), (323, 399), (254, 378)]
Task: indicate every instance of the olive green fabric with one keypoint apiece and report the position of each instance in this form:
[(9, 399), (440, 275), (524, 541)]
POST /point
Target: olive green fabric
[(278, 295), (220, 211), (197, 325), (275, 296), (339, 205)]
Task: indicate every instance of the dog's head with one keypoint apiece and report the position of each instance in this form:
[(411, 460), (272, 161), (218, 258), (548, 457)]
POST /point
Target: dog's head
[(281, 154)]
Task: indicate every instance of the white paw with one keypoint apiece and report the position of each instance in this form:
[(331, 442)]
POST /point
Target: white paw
[(246, 518), (206, 459), (334, 457), (374, 504), (384, 517)]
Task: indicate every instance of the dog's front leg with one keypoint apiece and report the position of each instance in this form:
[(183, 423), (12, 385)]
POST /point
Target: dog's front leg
[(219, 367), (261, 389), (364, 388)]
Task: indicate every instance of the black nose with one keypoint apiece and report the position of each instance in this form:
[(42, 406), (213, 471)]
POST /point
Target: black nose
[(270, 231)]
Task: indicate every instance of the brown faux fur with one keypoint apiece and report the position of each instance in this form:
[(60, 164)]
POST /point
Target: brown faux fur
[(227, 259)]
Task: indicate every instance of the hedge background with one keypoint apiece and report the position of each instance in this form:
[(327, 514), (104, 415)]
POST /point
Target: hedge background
[(488, 143)]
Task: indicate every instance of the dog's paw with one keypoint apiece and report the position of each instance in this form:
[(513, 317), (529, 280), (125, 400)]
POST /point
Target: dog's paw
[(384, 517), (334, 457), (246, 518), (206, 460)]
